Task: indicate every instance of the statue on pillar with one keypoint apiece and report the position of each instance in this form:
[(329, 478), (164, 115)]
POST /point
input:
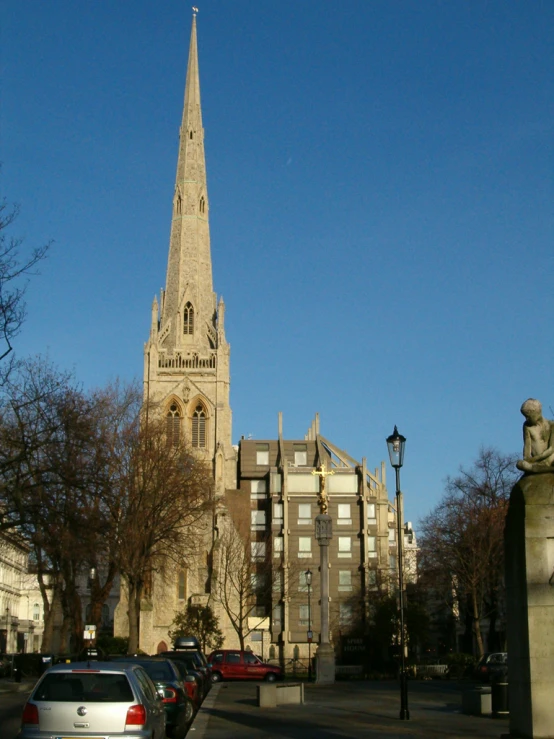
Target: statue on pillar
[(322, 499), (538, 440)]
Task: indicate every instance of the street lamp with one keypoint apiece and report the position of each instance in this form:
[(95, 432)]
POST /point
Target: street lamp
[(396, 443), (308, 575)]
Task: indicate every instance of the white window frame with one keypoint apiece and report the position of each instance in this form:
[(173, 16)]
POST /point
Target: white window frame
[(392, 536), (278, 546), (257, 551), (262, 456), (345, 581), (304, 508), (304, 547), (257, 520), (371, 513), (345, 609), (345, 547), (278, 513), (301, 457), (303, 615), (371, 546), (344, 514), (258, 489)]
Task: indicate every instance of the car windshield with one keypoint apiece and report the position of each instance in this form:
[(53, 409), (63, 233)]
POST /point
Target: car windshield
[(93, 687)]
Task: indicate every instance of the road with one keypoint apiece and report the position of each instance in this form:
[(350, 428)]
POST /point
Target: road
[(11, 707)]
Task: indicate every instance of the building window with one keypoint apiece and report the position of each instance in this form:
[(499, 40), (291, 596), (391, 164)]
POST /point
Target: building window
[(257, 585), (277, 546), (345, 518), (36, 612), (188, 319), (258, 489), (257, 520), (392, 536), (182, 585), (371, 546), (345, 614), (202, 205), (392, 562), (304, 514), (300, 455), (302, 583), (345, 547), (173, 425), (277, 581), (199, 427), (277, 617), (255, 636), (371, 515), (304, 547), (345, 580), (303, 615), (372, 579), (262, 454), (278, 513), (257, 549)]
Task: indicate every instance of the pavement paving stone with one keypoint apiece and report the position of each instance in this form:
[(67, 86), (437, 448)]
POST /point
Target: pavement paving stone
[(356, 709)]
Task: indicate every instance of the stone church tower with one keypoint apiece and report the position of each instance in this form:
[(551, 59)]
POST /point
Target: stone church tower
[(186, 358)]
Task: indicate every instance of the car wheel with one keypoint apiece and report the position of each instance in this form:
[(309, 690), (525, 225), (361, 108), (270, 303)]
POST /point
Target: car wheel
[(216, 677), (271, 677)]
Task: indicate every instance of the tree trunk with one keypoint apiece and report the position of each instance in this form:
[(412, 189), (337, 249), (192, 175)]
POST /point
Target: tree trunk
[(476, 622), (133, 612)]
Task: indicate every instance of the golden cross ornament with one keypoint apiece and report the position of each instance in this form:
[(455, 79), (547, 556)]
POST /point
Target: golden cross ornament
[(322, 495)]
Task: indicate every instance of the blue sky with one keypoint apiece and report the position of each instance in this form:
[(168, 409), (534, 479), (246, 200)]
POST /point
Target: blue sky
[(381, 206)]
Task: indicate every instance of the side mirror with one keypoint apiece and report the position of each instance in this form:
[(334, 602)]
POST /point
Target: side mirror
[(190, 679)]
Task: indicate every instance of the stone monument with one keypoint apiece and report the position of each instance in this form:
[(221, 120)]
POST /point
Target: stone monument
[(529, 551), (325, 655)]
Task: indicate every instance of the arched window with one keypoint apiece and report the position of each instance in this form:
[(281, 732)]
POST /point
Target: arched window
[(202, 205), (173, 425), (199, 426), (188, 319), (36, 612)]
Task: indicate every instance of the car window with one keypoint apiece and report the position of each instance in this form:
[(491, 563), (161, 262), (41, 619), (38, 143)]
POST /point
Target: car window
[(251, 659), (94, 687), (146, 684), (158, 671), (233, 658), (217, 657)]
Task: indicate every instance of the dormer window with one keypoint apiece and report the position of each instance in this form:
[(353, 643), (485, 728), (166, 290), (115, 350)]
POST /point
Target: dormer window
[(173, 425), (199, 427), (188, 319)]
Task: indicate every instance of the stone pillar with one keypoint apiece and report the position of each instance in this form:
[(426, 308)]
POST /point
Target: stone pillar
[(325, 655), (529, 548)]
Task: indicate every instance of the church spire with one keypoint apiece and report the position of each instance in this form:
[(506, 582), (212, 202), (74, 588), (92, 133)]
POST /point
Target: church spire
[(189, 268)]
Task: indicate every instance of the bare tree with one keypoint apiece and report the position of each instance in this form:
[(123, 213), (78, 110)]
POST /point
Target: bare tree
[(161, 494), (48, 486), (461, 544), (13, 270), (243, 573)]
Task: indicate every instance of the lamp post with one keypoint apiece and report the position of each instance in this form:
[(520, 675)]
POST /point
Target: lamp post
[(308, 575), (396, 443)]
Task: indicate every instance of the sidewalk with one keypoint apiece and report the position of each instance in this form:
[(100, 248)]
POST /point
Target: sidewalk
[(346, 709), (8, 685)]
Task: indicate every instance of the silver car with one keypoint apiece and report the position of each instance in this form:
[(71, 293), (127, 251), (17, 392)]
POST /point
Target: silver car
[(94, 700)]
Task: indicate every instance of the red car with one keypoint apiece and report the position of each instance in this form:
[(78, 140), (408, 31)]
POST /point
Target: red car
[(235, 664)]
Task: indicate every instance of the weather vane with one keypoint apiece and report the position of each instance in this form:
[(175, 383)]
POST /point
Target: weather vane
[(194, 10)]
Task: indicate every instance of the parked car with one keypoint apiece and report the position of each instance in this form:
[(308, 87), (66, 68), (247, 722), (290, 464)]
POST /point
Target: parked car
[(492, 666), (194, 681), (235, 664), (179, 707), (94, 698), (194, 666)]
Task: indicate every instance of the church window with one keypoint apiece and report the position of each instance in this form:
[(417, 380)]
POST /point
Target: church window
[(199, 426), (173, 425), (188, 319), (182, 585), (202, 205), (190, 136)]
